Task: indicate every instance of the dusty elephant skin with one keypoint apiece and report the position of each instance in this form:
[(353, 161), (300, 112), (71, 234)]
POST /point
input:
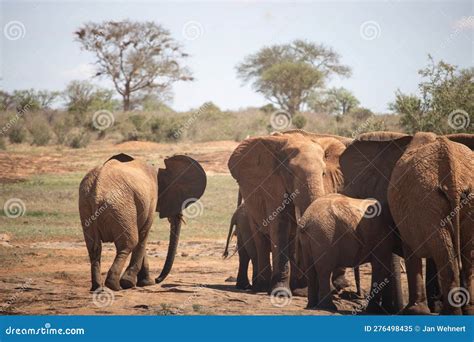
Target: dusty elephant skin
[(279, 176), (339, 231), (117, 202), (431, 199), (245, 246)]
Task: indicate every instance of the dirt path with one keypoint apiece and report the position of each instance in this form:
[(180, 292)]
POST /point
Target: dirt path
[(53, 278)]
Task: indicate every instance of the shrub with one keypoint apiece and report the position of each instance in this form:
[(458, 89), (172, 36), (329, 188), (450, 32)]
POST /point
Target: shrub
[(61, 128), (17, 133), (140, 122), (2, 143), (40, 133), (129, 131), (78, 138), (299, 121)]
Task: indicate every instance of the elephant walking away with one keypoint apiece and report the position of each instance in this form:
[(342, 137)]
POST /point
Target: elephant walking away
[(117, 202)]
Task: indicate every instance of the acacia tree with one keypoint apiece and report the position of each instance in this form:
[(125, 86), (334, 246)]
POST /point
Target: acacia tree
[(287, 74), (136, 56)]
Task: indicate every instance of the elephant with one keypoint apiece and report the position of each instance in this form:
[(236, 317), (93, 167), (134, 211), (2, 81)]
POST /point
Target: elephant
[(245, 246), (431, 197), (117, 201), (279, 176), (367, 165), (338, 231)]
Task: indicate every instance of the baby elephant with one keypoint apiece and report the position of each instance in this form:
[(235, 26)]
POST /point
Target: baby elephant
[(245, 246), (339, 231)]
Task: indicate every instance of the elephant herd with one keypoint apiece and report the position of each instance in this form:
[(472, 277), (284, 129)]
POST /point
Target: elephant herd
[(310, 206)]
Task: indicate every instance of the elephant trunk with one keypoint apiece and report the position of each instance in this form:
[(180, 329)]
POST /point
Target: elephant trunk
[(175, 229)]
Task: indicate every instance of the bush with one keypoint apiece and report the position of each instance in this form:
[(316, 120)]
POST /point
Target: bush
[(61, 128), (299, 121), (78, 138), (2, 143), (129, 131), (40, 133), (17, 133)]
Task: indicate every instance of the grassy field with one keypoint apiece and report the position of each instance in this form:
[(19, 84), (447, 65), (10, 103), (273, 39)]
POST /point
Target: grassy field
[(52, 210)]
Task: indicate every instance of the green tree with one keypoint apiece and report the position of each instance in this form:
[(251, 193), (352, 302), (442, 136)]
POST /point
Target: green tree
[(135, 56), (445, 103), (333, 101), (32, 100), (287, 74)]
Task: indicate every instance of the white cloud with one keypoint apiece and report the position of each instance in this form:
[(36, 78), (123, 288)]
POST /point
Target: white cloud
[(79, 72), (465, 23)]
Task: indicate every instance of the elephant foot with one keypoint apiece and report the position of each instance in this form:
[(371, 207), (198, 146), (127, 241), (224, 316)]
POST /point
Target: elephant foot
[(374, 308), (127, 283), (416, 309), (435, 306), (145, 282), (468, 310), (302, 292), (451, 311), (327, 304), (242, 285), (95, 287), (113, 285), (260, 286), (341, 282)]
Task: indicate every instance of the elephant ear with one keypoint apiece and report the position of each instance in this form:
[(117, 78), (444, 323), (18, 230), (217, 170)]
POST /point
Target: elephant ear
[(367, 166), (463, 138), (121, 157), (180, 184), (333, 149), (381, 136)]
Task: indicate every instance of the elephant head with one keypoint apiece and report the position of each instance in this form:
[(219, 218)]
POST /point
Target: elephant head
[(279, 176), (180, 183)]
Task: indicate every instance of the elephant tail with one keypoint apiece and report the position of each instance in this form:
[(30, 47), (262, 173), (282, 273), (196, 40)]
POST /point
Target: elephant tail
[(450, 189), (357, 280), (233, 222)]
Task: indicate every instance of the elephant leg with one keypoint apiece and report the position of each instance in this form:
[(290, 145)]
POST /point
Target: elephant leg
[(242, 275), (449, 279), (433, 292), (129, 277), (143, 277), (94, 248), (281, 260), (396, 283), (339, 279), (381, 290), (264, 270), (325, 300), (417, 304), (310, 274), (113, 276), (467, 254), (297, 278)]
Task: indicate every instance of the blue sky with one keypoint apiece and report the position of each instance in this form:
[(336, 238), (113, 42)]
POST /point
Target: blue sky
[(46, 57)]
